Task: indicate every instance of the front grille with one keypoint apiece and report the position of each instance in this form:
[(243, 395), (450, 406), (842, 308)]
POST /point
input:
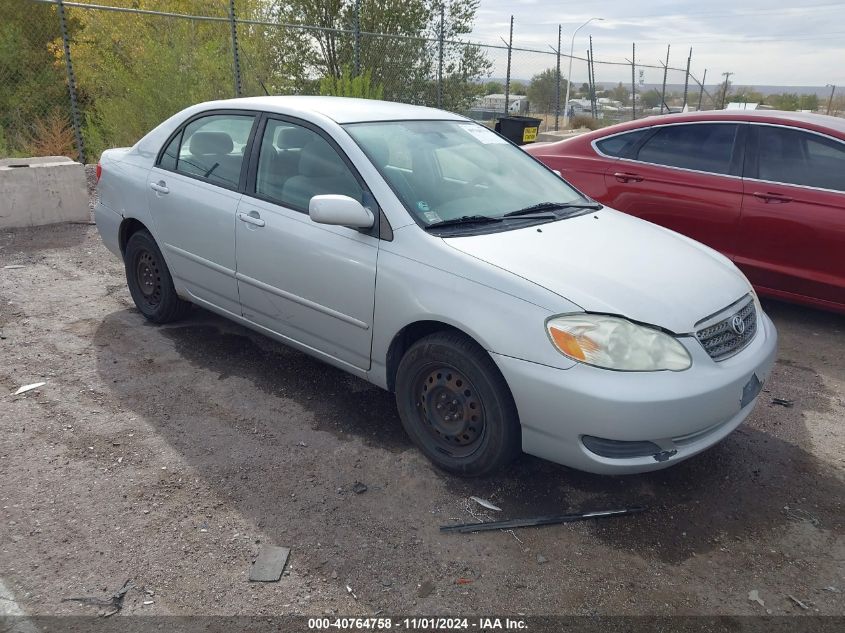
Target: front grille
[(721, 339)]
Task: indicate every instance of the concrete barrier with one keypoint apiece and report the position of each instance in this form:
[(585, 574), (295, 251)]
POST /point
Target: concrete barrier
[(36, 191)]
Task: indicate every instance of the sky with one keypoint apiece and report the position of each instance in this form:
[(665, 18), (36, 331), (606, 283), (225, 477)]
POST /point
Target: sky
[(770, 42)]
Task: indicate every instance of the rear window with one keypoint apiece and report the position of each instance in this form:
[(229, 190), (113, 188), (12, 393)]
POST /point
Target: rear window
[(620, 145)]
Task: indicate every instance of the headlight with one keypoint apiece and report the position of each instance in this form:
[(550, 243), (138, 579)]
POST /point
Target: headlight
[(615, 343)]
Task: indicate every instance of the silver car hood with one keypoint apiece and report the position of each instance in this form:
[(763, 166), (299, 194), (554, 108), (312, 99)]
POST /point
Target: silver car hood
[(613, 263)]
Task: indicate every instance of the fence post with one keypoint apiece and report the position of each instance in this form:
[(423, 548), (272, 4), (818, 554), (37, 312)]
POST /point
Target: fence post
[(508, 75), (634, 81), (440, 40), (236, 58), (665, 71), (557, 92), (71, 83), (701, 90), (356, 39), (686, 80)]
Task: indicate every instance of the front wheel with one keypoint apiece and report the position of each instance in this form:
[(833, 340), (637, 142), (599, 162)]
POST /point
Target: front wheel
[(149, 280), (456, 406)]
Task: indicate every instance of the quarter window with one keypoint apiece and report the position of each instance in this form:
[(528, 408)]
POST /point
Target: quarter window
[(620, 145), (700, 146), (295, 164), (800, 158), (211, 148)]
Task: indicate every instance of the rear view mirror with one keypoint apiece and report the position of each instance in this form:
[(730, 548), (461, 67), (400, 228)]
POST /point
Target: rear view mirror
[(340, 210)]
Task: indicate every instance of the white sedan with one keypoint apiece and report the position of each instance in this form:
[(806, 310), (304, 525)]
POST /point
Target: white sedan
[(428, 255)]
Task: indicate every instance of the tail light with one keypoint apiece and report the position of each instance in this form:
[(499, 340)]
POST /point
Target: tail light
[(99, 171)]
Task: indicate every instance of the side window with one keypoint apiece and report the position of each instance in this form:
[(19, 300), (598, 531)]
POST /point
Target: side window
[(296, 164), (171, 153), (700, 146), (211, 148), (621, 145), (800, 158)]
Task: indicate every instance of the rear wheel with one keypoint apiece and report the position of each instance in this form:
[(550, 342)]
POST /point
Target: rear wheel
[(456, 406), (149, 280)]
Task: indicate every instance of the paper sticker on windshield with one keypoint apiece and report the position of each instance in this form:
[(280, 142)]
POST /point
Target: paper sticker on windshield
[(483, 134), (431, 217)]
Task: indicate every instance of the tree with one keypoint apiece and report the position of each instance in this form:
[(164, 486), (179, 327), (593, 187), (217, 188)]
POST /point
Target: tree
[(494, 87), (620, 93), (347, 85), (650, 98), (746, 95), (809, 102), (784, 101), (518, 88), (542, 91)]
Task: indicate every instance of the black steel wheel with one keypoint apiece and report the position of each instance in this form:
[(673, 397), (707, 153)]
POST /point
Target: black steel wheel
[(456, 406), (149, 280)]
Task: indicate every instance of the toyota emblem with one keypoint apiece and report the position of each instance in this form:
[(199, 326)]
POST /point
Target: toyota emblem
[(738, 325)]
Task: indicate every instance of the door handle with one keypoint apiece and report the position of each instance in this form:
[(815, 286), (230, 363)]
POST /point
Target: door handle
[(627, 177), (771, 197), (251, 218), (159, 187)]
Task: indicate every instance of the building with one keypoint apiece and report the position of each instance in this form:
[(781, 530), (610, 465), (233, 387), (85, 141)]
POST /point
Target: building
[(496, 103)]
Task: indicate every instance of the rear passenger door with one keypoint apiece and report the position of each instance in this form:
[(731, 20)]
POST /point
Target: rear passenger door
[(686, 177), (193, 196), (310, 284), (792, 232)]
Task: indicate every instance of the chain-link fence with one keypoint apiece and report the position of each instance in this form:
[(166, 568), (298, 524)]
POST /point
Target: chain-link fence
[(79, 77)]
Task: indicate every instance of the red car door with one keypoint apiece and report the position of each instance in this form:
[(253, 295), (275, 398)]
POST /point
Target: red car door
[(684, 176), (792, 231)]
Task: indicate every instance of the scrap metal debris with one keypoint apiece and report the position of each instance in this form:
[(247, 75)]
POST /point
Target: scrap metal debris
[(466, 528), (754, 596), (115, 602), (269, 564), (486, 504), (783, 402), (359, 488), (26, 388), (798, 602)]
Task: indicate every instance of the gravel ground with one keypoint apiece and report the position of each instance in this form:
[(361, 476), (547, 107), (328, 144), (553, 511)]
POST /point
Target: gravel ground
[(169, 455)]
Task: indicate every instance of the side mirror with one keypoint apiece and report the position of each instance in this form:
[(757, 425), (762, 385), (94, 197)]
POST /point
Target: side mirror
[(340, 211)]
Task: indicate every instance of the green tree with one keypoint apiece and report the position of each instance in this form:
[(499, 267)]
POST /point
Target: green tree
[(809, 102), (348, 85), (746, 95), (620, 93), (650, 98), (494, 87), (542, 91), (784, 101)]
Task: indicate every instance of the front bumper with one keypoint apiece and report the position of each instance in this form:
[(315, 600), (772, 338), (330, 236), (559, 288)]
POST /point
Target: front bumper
[(683, 413)]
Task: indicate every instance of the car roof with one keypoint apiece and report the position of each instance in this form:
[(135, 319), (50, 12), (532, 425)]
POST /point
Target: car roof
[(339, 109), (808, 120)]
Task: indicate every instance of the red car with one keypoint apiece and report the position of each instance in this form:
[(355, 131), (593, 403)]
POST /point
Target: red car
[(765, 188)]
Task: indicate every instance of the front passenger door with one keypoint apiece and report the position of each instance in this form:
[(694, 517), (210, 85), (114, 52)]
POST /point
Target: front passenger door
[(310, 284)]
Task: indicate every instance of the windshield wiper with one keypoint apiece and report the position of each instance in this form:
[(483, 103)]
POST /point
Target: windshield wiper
[(549, 206), (466, 219)]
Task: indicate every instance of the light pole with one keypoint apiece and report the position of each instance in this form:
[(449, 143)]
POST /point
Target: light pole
[(569, 74), (830, 101)]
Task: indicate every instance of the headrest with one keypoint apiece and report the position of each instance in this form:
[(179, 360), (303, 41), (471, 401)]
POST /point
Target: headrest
[(318, 159), (292, 137), (210, 143)]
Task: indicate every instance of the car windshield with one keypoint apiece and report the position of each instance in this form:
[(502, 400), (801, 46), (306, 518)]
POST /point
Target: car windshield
[(448, 171)]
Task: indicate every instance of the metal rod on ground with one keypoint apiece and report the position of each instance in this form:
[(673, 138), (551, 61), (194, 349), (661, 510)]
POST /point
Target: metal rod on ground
[(71, 82), (686, 80), (356, 39), (557, 91), (508, 75), (725, 90), (829, 101), (665, 71), (466, 528), (440, 57), (236, 60), (701, 90), (634, 81)]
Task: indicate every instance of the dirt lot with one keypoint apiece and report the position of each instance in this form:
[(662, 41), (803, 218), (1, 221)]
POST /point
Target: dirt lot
[(168, 455)]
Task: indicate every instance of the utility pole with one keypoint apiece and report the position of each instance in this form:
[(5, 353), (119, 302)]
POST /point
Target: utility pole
[(665, 71), (633, 81), (590, 81), (593, 73), (727, 77), (830, 101), (569, 74), (701, 91)]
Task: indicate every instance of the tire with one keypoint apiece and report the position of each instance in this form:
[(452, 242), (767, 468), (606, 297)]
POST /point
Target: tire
[(149, 280), (456, 406)]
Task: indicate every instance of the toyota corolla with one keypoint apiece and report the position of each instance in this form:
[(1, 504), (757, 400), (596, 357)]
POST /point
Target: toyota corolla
[(422, 252)]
